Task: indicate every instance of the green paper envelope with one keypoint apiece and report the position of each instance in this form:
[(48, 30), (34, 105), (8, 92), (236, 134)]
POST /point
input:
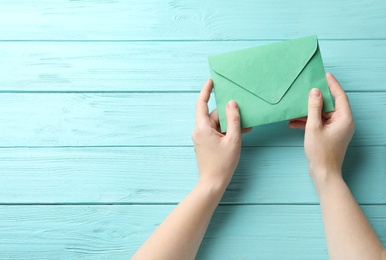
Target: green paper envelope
[(270, 83)]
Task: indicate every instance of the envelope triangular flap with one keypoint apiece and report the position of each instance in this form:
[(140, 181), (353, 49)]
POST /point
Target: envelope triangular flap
[(267, 71)]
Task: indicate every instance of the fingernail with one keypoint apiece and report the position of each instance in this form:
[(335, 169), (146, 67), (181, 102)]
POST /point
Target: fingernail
[(315, 92), (232, 104)]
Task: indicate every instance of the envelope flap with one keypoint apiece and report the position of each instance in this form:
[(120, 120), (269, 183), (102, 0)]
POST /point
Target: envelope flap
[(267, 71)]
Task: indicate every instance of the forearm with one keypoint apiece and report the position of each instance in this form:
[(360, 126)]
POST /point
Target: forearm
[(349, 234), (181, 233)]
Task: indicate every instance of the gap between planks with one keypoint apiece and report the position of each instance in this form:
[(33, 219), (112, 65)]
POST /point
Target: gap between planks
[(168, 204), (197, 40), (135, 92), (149, 146)]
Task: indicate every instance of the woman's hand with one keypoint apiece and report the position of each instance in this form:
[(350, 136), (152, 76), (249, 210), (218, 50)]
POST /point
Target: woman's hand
[(349, 234), (180, 234), (217, 154), (326, 135)]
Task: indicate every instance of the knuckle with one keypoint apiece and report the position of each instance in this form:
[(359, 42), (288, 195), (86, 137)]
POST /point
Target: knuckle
[(195, 134), (234, 139), (315, 104), (349, 120), (350, 124), (236, 118), (343, 98), (344, 95), (199, 133), (313, 126), (233, 116)]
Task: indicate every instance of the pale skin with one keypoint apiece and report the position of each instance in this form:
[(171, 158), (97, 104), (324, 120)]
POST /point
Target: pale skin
[(349, 235), (181, 233)]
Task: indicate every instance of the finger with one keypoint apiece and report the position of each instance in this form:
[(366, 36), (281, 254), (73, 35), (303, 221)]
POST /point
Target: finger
[(297, 124), (202, 103), (303, 119), (233, 121), (341, 99), (246, 130), (315, 104), (214, 116), (328, 115), (214, 120)]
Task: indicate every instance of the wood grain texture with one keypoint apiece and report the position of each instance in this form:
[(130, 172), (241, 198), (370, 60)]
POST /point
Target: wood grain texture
[(116, 232), (97, 109), (190, 20), (167, 174), (161, 66), (148, 119)]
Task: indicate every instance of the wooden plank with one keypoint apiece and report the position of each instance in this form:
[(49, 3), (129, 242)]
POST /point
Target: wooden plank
[(190, 20), (116, 232), (143, 119), (167, 174), (161, 66)]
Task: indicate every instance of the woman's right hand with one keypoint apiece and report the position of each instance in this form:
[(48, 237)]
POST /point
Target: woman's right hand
[(327, 135)]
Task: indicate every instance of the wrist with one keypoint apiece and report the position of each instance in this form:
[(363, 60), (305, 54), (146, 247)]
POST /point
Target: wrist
[(215, 187), (324, 178)]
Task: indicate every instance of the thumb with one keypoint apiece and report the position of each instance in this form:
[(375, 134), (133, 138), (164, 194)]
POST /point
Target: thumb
[(315, 105), (233, 120)]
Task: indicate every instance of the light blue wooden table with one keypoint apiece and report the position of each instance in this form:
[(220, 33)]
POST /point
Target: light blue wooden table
[(97, 109)]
